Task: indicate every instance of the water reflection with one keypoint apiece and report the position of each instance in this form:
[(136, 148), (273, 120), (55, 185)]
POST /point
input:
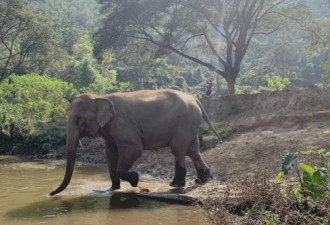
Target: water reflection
[(119, 201), (59, 205)]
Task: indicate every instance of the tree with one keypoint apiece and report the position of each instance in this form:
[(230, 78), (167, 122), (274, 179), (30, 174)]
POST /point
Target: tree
[(318, 32), (33, 112), (224, 29), (81, 13), (23, 33)]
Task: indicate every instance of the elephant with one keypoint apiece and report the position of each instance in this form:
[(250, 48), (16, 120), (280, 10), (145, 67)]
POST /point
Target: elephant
[(131, 122)]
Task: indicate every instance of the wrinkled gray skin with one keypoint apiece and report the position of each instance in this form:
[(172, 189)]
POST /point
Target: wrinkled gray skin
[(134, 121)]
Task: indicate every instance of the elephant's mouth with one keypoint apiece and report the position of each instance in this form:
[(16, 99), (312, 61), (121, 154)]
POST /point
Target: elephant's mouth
[(88, 133)]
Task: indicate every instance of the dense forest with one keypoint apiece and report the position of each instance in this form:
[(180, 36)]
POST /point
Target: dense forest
[(51, 50)]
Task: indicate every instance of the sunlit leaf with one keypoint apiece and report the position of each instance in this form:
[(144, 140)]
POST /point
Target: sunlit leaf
[(296, 191), (307, 168), (278, 177)]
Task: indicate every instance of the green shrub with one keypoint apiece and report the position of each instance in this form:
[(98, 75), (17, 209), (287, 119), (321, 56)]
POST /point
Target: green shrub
[(29, 103), (277, 83), (209, 140), (46, 146), (313, 181), (105, 85)]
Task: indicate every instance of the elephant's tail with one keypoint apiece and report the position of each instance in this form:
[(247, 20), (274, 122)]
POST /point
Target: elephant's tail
[(206, 118)]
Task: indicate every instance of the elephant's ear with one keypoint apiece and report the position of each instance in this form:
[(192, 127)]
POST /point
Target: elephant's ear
[(104, 111)]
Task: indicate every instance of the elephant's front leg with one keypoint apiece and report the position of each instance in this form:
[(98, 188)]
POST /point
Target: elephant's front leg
[(180, 175), (112, 160), (127, 155)]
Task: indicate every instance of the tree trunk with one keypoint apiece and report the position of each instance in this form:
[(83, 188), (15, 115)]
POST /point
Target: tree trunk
[(231, 87), (217, 81), (230, 76)]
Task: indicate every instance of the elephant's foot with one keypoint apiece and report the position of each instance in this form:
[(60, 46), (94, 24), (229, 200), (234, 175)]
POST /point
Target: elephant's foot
[(177, 184), (134, 178), (131, 177), (180, 177), (204, 176), (115, 182), (113, 188)]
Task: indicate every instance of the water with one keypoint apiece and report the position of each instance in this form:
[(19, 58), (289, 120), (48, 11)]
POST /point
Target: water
[(24, 185)]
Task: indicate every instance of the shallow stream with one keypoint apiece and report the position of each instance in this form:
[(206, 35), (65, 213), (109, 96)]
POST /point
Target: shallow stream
[(25, 183)]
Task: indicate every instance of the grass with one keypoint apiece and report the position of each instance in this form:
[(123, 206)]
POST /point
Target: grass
[(209, 140)]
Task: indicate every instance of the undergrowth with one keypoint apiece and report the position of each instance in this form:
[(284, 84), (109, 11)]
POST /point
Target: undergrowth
[(209, 140), (259, 200)]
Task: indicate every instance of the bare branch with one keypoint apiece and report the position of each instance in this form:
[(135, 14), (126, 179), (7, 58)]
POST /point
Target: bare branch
[(213, 50), (270, 8), (185, 42)]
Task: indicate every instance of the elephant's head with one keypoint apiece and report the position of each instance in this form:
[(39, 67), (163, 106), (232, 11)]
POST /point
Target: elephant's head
[(88, 115)]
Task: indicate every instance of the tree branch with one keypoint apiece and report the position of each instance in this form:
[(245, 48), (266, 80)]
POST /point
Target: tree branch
[(213, 50), (187, 40)]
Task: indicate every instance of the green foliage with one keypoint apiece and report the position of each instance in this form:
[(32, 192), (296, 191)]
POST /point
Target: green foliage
[(238, 91), (138, 65), (277, 83), (224, 132), (104, 85), (28, 101), (193, 30), (83, 13), (322, 154), (325, 65), (313, 181), (288, 162), (318, 34), (273, 221), (291, 53), (278, 177), (209, 138), (27, 38)]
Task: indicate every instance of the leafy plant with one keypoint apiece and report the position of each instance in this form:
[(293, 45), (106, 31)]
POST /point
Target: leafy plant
[(313, 181), (31, 105), (277, 83)]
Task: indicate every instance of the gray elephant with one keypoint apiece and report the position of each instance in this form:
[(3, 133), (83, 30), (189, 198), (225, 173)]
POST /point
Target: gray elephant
[(133, 121)]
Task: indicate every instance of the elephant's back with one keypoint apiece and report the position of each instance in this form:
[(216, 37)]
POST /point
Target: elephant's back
[(163, 104)]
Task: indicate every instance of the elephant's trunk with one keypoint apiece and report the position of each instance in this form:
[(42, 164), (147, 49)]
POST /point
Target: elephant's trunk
[(71, 145)]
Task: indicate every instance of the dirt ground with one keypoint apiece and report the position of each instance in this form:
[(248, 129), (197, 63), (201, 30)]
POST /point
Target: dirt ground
[(269, 126)]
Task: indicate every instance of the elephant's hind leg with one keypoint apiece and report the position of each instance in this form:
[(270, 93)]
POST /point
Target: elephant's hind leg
[(127, 155), (203, 172), (179, 147)]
